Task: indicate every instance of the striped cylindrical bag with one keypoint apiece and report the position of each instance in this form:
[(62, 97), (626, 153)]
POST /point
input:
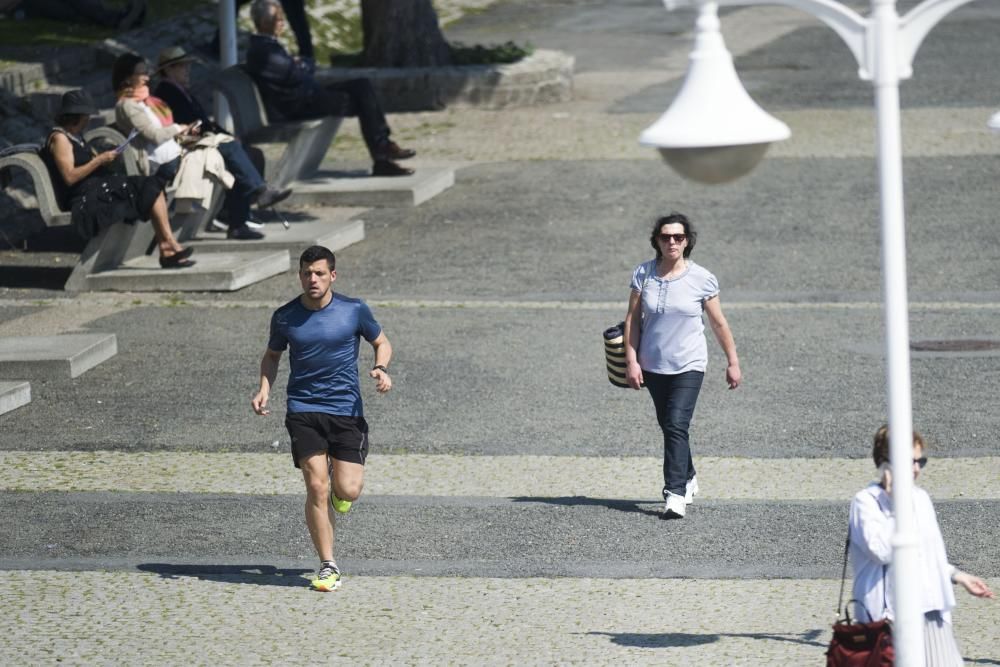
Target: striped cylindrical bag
[(614, 354)]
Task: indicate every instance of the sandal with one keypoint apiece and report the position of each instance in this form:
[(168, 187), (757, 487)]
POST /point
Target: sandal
[(175, 261)]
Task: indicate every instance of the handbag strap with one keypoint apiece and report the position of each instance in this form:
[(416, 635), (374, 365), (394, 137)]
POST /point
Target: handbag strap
[(843, 579)]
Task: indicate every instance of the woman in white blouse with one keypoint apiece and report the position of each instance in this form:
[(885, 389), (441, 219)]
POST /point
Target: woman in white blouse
[(872, 524)]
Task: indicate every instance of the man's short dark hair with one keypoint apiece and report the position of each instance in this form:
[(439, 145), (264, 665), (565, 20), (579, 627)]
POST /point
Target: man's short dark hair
[(314, 253)]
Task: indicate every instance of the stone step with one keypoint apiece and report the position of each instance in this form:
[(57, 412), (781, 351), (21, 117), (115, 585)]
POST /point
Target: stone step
[(335, 235), (13, 395), (358, 188), (44, 102), (213, 272), (63, 63), (54, 357)]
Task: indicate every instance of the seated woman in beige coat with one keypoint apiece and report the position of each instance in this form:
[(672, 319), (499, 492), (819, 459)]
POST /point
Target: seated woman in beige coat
[(160, 141)]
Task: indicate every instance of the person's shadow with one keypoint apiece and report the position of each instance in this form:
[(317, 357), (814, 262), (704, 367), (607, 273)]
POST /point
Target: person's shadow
[(256, 575), (632, 506), (688, 639)]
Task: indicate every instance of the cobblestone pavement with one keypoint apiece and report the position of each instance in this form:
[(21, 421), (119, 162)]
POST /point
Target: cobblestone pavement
[(259, 616), (485, 476), (511, 509)]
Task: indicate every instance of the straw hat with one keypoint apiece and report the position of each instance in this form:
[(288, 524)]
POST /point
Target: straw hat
[(174, 55)]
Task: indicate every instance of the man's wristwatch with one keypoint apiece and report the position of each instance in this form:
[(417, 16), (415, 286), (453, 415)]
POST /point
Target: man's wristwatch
[(380, 367)]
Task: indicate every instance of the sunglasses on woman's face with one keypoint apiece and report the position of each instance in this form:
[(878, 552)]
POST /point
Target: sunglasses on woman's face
[(922, 461), (676, 238)]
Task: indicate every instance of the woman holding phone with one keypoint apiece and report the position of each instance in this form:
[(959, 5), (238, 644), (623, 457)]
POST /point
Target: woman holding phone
[(872, 524)]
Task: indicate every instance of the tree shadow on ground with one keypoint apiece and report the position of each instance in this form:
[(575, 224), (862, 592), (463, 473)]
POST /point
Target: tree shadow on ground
[(688, 639), (632, 506), (257, 575)]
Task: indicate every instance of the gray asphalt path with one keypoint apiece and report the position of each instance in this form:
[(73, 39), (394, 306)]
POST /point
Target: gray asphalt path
[(524, 381), (494, 537)]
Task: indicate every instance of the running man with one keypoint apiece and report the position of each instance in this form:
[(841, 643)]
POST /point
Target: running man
[(325, 418)]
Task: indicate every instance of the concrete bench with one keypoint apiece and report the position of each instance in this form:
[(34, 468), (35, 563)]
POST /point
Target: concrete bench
[(113, 246), (14, 394), (307, 141)]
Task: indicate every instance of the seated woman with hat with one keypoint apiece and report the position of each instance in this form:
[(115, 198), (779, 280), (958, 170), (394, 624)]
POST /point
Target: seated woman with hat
[(98, 197), (243, 161)]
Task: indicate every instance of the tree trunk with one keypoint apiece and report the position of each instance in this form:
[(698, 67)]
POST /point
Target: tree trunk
[(402, 33)]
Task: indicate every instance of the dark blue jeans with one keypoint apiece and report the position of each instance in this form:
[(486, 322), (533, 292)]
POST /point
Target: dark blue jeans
[(248, 180), (674, 397)]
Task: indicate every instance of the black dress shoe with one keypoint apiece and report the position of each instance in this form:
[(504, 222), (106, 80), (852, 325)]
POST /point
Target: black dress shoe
[(389, 168), (243, 233), (270, 196), (395, 152)]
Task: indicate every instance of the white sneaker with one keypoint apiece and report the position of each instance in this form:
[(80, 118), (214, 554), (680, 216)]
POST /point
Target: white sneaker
[(690, 490), (218, 226), (675, 507), (253, 224)]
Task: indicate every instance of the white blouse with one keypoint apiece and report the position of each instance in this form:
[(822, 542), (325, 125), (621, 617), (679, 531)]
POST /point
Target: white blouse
[(872, 524)]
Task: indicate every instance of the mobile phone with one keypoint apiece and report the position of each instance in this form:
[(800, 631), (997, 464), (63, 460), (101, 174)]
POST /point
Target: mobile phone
[(194, 126)]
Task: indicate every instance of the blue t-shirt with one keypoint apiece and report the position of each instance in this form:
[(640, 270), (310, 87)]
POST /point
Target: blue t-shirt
[(672, 338), (323, 353)]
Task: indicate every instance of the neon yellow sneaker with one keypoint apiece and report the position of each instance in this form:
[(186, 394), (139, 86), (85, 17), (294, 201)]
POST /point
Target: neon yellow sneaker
[(341, 506), (327, 580)]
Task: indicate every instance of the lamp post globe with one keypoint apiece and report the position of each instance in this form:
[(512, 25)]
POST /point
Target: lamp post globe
[(994, 122), (713, 131)]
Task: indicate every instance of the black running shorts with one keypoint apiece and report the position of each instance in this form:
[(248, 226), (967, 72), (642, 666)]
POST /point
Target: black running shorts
[(344, 438)]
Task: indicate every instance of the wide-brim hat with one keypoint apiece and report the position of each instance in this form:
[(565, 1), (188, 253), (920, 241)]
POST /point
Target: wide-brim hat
[(77, 102), (173, 55)]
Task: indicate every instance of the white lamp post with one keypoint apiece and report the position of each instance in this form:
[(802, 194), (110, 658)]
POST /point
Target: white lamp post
[(227, 57), (884, 45)]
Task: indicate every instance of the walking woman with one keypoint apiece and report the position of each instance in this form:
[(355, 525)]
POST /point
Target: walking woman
[(98, 197), (871, 528), (665, 346)]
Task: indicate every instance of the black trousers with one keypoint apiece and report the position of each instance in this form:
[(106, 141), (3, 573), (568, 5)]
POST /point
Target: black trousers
[(356, 98)]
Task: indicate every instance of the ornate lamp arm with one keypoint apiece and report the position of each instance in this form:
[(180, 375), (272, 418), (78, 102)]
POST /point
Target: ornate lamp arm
[(915, 25), (856, 30)]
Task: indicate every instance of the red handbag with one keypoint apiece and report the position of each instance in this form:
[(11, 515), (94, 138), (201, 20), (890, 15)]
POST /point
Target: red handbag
[(859, 644)]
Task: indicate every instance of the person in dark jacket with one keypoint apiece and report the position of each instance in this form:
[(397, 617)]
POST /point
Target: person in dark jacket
[(290, 91), (246, 163)]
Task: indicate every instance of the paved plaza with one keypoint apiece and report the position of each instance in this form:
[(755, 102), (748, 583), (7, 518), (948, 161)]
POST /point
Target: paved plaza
[(511, 509)]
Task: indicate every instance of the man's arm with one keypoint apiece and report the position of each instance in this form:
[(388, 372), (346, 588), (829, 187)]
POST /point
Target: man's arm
[(383, 354), (268, 61), (268, 371)]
